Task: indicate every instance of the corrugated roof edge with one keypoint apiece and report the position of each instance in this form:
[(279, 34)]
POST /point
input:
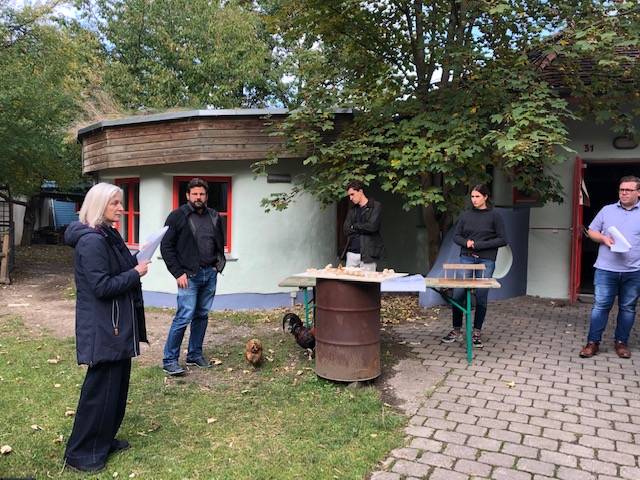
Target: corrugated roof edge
[(161, 117)]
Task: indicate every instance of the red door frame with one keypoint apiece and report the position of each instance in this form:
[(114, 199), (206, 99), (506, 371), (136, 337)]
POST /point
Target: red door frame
[(576, 230)]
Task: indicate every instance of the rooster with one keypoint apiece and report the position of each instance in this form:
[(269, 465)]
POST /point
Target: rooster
[(253, 352), (305, 337)]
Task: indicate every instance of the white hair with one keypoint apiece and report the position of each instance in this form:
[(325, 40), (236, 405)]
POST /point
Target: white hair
[(95, 203)]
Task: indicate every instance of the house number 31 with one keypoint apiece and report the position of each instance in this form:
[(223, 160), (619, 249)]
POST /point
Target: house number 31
[(588, 147)]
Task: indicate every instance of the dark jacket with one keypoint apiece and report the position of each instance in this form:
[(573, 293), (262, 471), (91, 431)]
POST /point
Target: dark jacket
[(179, 248), (110, 319), (368, 228), (485, 227)]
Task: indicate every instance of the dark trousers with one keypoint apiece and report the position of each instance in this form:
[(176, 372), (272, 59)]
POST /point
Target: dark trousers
[(103, 401)]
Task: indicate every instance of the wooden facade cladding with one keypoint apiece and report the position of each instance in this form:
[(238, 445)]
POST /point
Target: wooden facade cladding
[(203, 138)]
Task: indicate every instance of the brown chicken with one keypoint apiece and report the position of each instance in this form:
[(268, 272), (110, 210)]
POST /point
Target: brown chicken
[(253, 352)]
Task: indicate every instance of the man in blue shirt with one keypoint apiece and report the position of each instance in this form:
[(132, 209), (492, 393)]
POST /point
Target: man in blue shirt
[(617, 268)]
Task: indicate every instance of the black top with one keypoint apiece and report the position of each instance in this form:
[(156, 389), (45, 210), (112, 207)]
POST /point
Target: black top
[(485, 227), (205, 238), (179, 247), (354, 240), (364, 223)]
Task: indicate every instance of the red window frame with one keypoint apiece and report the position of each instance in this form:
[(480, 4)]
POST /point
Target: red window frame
[(209, 180), (130, 212)]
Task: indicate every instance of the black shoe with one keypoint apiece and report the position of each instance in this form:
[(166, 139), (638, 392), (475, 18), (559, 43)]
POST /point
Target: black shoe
[(173, 369), (92, 468), (200, 362), (118, 446)]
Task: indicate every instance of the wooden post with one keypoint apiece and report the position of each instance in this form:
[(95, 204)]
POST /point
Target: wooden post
[(4, 260)]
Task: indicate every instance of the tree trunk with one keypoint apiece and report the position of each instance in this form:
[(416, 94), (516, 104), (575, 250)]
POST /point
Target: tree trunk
[(434, 234), (29, 222)]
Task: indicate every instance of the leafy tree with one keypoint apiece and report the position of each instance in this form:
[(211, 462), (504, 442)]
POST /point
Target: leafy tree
[(41, 80), (46, 78), (444, 92), (186, 53)]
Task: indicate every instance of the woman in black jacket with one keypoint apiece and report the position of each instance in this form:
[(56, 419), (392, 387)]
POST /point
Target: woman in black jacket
[(479, 232), (109, 326)]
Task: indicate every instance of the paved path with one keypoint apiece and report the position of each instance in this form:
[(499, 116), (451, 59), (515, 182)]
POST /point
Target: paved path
[(528, 408)]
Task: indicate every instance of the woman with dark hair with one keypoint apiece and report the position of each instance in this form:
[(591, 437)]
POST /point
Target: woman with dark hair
[(109, 326), (479, 232)]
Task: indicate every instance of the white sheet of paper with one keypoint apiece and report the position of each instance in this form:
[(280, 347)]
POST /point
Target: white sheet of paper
[(411, 283), (151, 244), (620, 244)]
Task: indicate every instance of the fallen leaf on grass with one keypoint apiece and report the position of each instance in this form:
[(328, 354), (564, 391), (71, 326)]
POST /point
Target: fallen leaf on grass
[(217, 361), (56, 385), (229, 369), (299, 372), (373, 435), (244, 391), (36, 427), (271, 351), (58, 439), (69, 413), (53, 361), (5, 450), (211, 420)]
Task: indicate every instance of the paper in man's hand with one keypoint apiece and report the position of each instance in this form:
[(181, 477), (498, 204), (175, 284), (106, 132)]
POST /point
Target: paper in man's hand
[(151, 244), (620, 244)]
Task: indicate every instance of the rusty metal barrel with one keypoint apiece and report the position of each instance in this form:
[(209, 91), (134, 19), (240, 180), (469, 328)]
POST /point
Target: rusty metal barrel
[(347, 330)]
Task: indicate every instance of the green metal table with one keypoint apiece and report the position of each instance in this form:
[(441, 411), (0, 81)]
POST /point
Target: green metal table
[(302, 283), (440, 284)]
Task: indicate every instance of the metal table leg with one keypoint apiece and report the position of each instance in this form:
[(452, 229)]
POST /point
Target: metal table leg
[(306, 307), (467, 315), (466, 311)]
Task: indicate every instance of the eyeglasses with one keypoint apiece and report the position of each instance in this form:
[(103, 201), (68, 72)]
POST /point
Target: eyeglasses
[(627, 190)]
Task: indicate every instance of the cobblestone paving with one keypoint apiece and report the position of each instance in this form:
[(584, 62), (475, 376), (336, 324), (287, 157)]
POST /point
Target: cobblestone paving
[(528, 408)]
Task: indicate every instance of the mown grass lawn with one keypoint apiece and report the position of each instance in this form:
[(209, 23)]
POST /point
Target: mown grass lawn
[(277, 422)]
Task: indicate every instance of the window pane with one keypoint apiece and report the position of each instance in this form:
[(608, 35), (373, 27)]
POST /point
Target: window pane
[(224, 228), (136, 229), (218, 196), (125, 195), (136, 196), (123, 227)]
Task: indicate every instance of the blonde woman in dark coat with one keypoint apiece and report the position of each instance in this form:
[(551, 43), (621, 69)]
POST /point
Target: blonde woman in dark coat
[(110, 325)]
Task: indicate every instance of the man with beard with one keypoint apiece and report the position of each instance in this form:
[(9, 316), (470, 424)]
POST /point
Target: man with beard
[(193, 250)]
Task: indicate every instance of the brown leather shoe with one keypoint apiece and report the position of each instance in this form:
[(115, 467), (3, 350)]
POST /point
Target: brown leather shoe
[(589, 350), (622, 350)]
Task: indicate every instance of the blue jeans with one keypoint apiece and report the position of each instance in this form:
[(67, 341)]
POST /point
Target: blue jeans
[(459, 294), (608, 285), (194, 303)]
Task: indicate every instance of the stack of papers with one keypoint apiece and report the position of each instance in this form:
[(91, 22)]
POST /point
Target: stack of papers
[(151, 244), (620, 244)]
